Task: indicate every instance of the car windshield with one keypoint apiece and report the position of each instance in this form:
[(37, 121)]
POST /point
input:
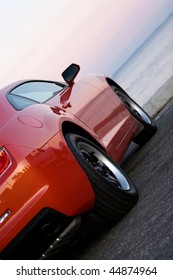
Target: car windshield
[(29, 93)]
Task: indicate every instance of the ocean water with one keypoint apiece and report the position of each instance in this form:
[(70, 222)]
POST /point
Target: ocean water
[(150, 66)]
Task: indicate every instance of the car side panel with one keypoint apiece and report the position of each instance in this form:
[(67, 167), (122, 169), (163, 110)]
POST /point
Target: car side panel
[(93, 106), (47, 177), (46, 173)]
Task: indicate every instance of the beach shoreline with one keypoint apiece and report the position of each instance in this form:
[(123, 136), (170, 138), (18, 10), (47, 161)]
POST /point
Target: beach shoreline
[(148, 75)]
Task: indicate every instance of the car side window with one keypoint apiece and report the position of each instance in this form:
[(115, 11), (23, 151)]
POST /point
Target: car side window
[(29, 93)]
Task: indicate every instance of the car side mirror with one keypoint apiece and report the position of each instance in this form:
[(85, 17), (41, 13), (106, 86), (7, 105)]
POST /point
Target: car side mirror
[(70, 73)]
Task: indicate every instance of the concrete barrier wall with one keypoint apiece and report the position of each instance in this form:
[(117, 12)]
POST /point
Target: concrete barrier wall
[(160, 98)]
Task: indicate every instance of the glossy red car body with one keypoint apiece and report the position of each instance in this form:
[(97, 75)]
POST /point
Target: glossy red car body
[(43, 172)]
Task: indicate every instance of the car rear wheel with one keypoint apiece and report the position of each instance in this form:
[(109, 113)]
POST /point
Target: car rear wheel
[(149, 126), (115, 194)]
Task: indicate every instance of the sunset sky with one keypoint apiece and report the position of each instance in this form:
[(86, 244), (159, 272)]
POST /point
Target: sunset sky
[(40, 38)]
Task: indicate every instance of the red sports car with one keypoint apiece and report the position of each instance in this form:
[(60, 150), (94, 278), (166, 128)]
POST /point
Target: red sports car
[(60, 149)]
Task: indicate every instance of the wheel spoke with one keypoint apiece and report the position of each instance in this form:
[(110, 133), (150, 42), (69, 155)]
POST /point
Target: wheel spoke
[(111, 179), (102, 165), (86, 155)]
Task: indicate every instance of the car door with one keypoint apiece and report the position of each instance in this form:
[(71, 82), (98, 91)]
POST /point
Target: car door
[(95, 109)]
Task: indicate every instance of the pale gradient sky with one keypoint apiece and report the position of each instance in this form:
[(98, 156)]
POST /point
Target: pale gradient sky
[(39, 38)]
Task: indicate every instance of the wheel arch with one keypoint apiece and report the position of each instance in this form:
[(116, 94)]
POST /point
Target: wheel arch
[(68, 127), (149, 129), (113, 83)]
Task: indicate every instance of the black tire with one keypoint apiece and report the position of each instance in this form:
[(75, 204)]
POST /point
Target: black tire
[(115, 194), (149, 126)]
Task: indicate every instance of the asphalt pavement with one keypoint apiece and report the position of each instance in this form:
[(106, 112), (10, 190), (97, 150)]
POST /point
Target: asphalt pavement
[(146, 232)]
